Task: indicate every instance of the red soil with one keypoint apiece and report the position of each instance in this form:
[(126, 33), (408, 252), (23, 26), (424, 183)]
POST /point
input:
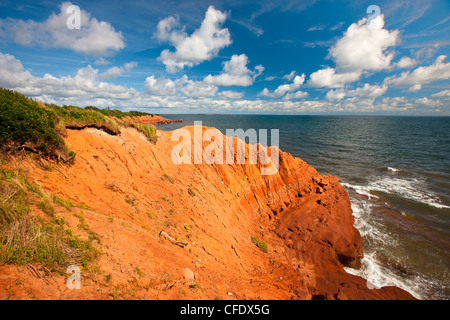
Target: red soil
[(304, 217)]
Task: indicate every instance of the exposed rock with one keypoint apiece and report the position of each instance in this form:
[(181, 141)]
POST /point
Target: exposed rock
[(188, 274), (304, 218)]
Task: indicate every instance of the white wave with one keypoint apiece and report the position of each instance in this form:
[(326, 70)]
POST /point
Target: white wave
[(368, 225), (440, 206), (359, 189), (378, 276), (411, 189), (392, 169), (372, 230), (377, 237)]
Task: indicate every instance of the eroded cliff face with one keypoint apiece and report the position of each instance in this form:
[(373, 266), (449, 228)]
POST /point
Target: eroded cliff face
[(129, 190)]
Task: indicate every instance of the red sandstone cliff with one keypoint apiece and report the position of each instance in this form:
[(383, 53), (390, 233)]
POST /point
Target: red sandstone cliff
[(134, 191)]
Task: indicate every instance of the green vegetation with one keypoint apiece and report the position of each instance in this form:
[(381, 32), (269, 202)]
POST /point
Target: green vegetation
[(73, 114), (39, 127), (130, 200), (165, 198), (25, 238), (148, 130), (151, 215), (191, 192), (118, 114), (195, 286), (25, 120), (260, 245), (188, 229), (46, 205), (63, 202), (26, 235), (168, 177), (166, 278), (30, 293), (139, 272)]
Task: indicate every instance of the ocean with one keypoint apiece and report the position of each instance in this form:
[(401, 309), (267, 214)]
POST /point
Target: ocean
[(396, 171)]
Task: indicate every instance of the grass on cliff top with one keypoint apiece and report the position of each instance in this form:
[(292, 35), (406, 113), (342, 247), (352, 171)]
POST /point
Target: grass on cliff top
[(73, 114), (40, 126), (119, 114), (148, 130), (23, 120), (31, 239)]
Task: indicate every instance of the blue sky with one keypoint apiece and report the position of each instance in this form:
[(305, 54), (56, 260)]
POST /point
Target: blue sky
[(272, 57)]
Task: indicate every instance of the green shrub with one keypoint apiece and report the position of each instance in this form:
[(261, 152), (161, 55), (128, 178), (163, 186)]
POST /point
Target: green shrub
[(148, 130), (38, 126), (260, 244), (168, 177), (24, 120)]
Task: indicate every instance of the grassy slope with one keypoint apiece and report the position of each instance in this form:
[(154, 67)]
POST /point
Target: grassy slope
[(29, 230), (40, 126)]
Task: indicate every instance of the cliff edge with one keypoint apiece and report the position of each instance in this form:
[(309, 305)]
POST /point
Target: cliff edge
[(195, 231)]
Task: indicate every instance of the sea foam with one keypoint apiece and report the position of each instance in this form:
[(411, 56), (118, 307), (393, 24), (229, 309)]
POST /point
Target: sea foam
[(408, 188), (371, 269)]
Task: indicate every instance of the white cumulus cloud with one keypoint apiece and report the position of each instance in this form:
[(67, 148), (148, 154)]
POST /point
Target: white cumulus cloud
[(365, 48), (160, 86), (439, 70), (283, 89), (231, 94), (235, 73), (94, 38), (367, 91), (164, 87), (442, 94), (360, 49), (330, 79), (84, 86), (406, 62), (117, 71), (203, 44), (193, 88), (295, 95)]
